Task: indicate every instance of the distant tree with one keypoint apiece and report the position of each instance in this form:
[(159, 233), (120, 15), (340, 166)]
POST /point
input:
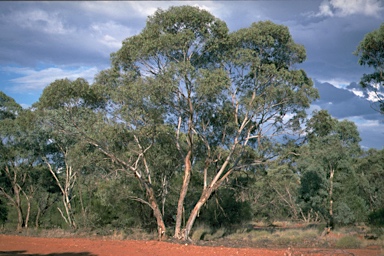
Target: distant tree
[(370, 170), (19, 157), (8, 107), (371, 53), (64, 106), (326, 164)]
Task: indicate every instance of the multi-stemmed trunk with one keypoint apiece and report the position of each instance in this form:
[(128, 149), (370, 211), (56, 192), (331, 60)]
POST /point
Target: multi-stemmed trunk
[(66, 189)]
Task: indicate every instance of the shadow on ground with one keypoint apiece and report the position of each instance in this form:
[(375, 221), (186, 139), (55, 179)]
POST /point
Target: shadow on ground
[(24, 253)]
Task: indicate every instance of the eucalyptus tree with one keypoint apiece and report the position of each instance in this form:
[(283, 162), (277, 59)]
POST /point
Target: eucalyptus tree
[(221, 94), (326, 163), (370, 170), (371, 53), (64, 106), (19, 157)]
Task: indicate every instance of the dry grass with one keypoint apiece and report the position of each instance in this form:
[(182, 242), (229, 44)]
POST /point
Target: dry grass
[(200, 232), (254, 235), (277, 237), (348, 242)]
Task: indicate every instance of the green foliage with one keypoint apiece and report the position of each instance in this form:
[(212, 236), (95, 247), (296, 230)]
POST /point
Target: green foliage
[(3, 213), (371, 53), (114, 206), (348, 242), (370, 173), (223, 210), (66, 93), (311, 193), (8, 107), (327, 167), (376, 218)]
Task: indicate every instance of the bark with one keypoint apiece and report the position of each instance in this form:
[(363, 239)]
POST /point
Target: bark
[(28, 209), (16, 202), (205, 195), (183, 193), (152, 202), (331, 223), (20, 219), (70, 178), (16, 199), (187, 163), (37, 219), (161, 229), (192, 217)]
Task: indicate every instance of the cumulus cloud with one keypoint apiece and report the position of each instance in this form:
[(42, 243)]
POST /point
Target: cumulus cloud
[(123, 10), (336, 82), (342, 8), (110, 34), (30, 79), (40, 20)]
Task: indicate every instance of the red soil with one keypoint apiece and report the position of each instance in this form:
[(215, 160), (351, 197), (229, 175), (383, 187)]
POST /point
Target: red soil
[(37, 246)]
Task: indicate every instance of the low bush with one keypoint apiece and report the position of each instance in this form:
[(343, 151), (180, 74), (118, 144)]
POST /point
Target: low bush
[(348, 242), (376, 218), (199, 232)]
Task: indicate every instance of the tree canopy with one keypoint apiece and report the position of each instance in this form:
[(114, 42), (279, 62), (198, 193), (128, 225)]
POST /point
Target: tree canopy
[(371, 53)]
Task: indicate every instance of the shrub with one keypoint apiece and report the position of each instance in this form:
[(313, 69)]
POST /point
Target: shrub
[(348, 242), (199, 232), (3, 213), (376, 218), (222, 210), (217, 234)]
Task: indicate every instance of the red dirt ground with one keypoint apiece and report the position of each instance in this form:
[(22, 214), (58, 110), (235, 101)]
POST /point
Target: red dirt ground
[(37, 246)]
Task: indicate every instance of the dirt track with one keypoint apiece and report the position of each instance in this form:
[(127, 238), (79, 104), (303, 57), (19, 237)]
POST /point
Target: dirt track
[(34, 246)]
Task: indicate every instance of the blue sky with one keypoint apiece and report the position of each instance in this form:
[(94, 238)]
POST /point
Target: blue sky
[(44, 41)]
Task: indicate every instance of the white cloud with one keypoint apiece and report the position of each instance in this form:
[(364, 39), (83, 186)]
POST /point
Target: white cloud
[(30, 79), (111, 42), (358, 93), (337, 82), (39, 20), (342, 8), (110, 33), (121, 9), (375, 96)]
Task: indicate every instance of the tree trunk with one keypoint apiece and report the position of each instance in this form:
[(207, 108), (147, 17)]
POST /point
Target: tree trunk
[(331, 223), (183, 193), (28, 213), (20, 219), (161, 229), (37, 219), (192, 217), (66, 189)]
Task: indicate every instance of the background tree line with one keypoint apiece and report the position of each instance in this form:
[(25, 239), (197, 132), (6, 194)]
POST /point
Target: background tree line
[(190, 124)]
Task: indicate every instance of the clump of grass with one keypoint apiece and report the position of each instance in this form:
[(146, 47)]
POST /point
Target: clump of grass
[(200, 232), (257, 235), (118, 235), (348, 242), (281, 238), (57, 233), (218, 234), (139, 234)]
